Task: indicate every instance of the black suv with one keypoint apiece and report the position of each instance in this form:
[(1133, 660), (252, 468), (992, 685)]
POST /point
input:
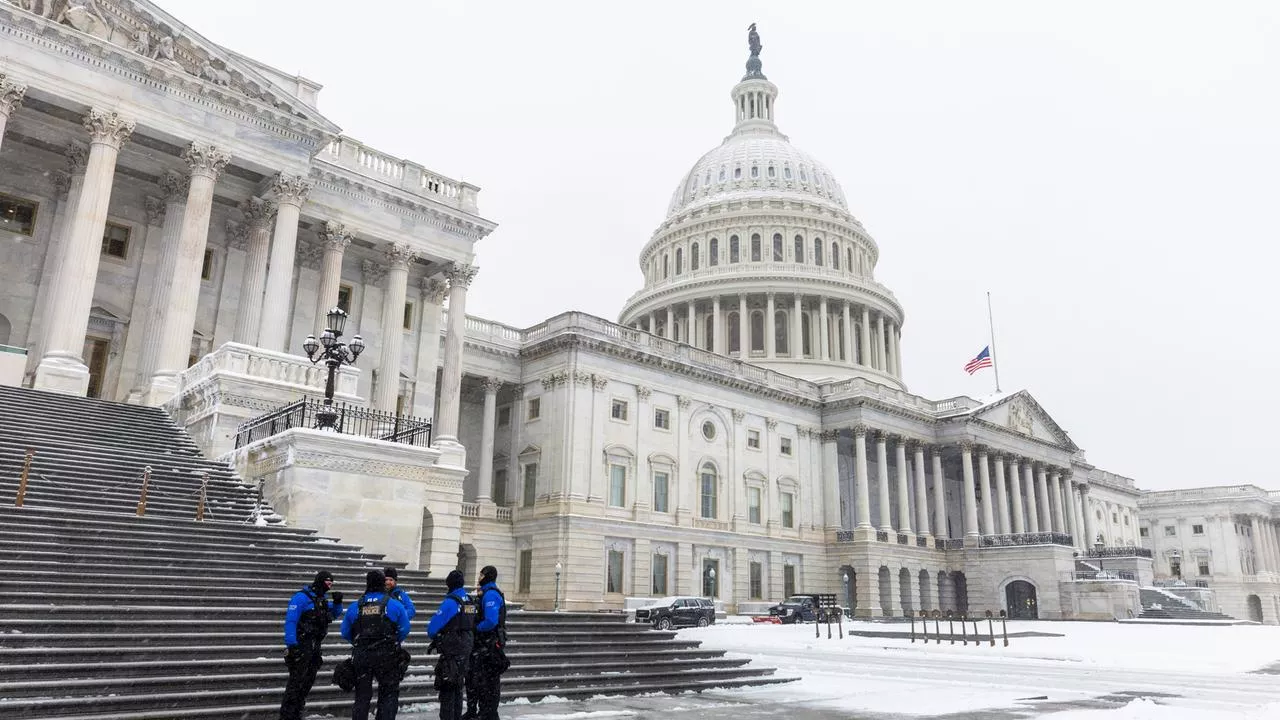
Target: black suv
[(673, 612)]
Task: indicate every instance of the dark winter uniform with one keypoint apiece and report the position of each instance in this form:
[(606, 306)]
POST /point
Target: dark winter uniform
[(375, 627), (489, 657), (305, 625), (452, 631)]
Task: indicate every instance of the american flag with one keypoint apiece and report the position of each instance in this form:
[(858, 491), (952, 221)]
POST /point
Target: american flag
[(982, 361)]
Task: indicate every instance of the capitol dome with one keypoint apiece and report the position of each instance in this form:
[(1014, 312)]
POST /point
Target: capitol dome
[(759, 259)]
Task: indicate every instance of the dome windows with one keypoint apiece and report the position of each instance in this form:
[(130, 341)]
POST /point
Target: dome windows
[(722, 173), (694, 260), (707, 180), (757, 331), (666, 266), (755, 247), (773, 172), (817, 252), (835, 255), (679, 260), (713, 252), (804, 176), (786, 172), (737, 173), (709, 434), (777, 247), (733, 249), (799, 258), (755, 171)]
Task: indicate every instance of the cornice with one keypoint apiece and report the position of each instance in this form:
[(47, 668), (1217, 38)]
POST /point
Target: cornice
[(705, 288), (341, 181)]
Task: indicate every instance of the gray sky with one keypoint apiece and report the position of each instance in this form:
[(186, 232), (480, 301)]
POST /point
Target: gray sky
[(1107, 170)]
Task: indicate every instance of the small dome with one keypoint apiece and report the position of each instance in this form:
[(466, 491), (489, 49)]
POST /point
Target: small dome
[(752, 165)]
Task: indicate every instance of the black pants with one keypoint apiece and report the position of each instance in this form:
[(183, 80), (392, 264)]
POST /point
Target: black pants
[(485, 687), (302, 675), (386, 670)]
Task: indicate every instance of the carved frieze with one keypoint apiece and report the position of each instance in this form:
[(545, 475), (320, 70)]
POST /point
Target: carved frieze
[(555, 380), (11, 94)]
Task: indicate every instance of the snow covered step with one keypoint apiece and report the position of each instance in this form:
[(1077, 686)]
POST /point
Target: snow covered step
[(227, 531)]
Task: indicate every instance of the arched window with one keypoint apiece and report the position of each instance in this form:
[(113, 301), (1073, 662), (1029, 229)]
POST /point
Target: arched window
[(713, 252), (735, 338), (755, 171), (755, 247), (773, 172), (757, 331), (786, 172), (780, 332), (679, 260), (799, 249), (806, 335), (817, 252), (849, 266), (835, 255), (777, 247), (733, 248), (707, 180), (737, 173), (709, 331), (804, 176), (666, 266), (693, 256), (708, 491)]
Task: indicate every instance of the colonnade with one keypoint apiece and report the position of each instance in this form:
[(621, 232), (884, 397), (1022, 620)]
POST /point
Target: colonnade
[(1266, 544)]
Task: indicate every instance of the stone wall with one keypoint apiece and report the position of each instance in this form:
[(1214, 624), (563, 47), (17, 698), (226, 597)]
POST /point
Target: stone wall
[(1099, 600)]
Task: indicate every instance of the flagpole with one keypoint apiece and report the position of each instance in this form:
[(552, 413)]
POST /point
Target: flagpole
[(995, 366)]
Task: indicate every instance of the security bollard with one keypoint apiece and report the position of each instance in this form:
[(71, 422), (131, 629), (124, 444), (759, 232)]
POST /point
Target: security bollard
[(840, 623), (951, 626), (976, 642), (913, 626), (924, 625), (22, 480), (937, 629), (142, 499), (1004, 624), (991, 630), (204, 496), (964, 635)]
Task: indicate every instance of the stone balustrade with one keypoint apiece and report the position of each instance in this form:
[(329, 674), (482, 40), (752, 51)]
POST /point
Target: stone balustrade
[(408, 176), (470, 510), (271, 367)]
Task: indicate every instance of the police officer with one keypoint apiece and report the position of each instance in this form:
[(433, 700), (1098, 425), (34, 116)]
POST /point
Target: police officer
[(375, 627), (452, 631), (305, 625), (489, 658), (397, 592)]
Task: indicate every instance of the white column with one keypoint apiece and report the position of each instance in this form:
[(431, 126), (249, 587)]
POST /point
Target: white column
[(1090, 531), (1029, 487), (897, 351), (970, 494), (1002, 494), (150, 317), (61, 368), (399, 258), (879, 350), (864, 337), (290, 193), (797, 328), (653, 322), (860, 477), (922, 491), (770, 327), (446, 430), (67, 189), (939, 495), (179, 318), (891, 362), (691, 324), (744, 328), (904, 492), (335, 239), (484, 493), (717, 336), (824, 330), (1042, 500), (432, 293), (144, 296), (670, 334), (11, 94), (882, 477), (831, 479), (258, 216), (988, 500), (1015, 496), (1073, 515), (1055, 498), (848, 333)]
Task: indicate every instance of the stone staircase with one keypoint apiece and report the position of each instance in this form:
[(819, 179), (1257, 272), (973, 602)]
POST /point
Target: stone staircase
[(1160, 605), (105, 615)]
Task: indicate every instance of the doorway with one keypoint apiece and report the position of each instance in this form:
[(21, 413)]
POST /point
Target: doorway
[(1255, 608), (1020, 599), (710, 578), (95, 356)]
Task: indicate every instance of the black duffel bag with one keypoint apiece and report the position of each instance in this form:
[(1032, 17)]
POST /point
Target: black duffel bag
[(344, 675)]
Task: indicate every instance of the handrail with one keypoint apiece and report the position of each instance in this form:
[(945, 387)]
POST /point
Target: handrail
[(352, 420), (22, 480)]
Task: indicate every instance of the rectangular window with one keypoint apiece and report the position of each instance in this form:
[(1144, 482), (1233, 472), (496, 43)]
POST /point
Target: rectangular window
[(526, 571), (17, 215), (661, 482), (619, 410), (788, 580), (1203, 567), (206, 267), (535, 408), (785, 445), (344, 298), (115, 241), (777, 248), (1126, 520), (500, 487), (788, 510), (753, 505), (613, 583), (1143, 532), (755, 248), (618, 485), (1170, 531), (408, 316), (799, 256), (757, 581), (733, 249), (662, 419), (504, 416), (530, 483), (708, 495), (659, 574), (1197, 529), (753, 439)]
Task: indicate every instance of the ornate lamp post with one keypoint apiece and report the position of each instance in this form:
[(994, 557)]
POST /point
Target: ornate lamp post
[(558, 587), (1099, 545), (711, 574), (335, 354), (847, 599)]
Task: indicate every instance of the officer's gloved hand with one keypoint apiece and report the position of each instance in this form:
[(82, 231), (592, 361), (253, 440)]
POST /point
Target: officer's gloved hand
[(291, 654), (337, 599)]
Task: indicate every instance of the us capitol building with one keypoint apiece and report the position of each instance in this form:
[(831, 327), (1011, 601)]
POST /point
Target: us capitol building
[(178, 217)]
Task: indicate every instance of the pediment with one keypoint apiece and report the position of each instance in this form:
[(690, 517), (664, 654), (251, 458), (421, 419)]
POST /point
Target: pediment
[(530, 450), (162, 47), (1020, 413)]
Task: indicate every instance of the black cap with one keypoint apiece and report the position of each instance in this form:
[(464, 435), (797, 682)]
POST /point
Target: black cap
[(322, 576), (375, 581), (488, 574), (455, 580), (391, 573)]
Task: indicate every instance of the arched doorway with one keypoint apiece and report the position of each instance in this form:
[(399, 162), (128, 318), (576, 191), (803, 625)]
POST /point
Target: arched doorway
[(960, 585), (849, 586), (924, 590), (904, 591), (5, 330), (1255, 608), (886, 591), (1020, 600)]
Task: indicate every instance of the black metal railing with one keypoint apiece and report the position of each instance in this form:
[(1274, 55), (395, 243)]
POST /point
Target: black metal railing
[(1127, 575), (1120, 552), (844, 536), (940, 544), (882, 536), (953, 544), (1010, 540), (352, 420), (922, 542), (903, 539)]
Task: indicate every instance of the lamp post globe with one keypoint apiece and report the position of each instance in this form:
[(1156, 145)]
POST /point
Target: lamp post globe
[(1098, 545), (337, 321), (557, 605)]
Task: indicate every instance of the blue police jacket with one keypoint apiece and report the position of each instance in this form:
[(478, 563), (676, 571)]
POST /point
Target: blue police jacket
[(395, 613), (490, 607), (403, 596), (446, 611), (299, 604)]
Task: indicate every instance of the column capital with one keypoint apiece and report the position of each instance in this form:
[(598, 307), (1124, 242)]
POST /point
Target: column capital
[(205, 159), (739, 415), (12, 93), (772, 424), (334, 235), (918, 447), (643, 393), (174, 186), (77, 157), (290, 189), (61, 183), (982, 450), (492, 385), (997, 455), (108, 127), (373, 272), (882, 436), (309, 255), (400, 256), (966, 446), (433, 290), (827, 436), (258, 213), (460, 275), (237, 234), (155, 210), (860, 430)]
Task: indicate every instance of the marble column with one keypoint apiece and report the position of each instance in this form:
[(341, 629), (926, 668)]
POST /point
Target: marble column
[(334, 238), (150, 317), (1015, 496), (868, 592), (879, 349), (891, 362), (970, 495), (61, 368), (894, 607), (897, 351), (824, 330), (848, 332), (670, 333), (744, 328), (446, 430), (67, 188), (399, 257), (861, 489), (831, 479), (1029, 486), (1042, 500), (1073, 515), (653, 322), (179, 318), (1002, 495), (922, 492), (864, 337), (491, 386), (1090, 531), (11, 94), (1055, 498), (144, 299), (771, 327), (904, 492), (431, 294), (717, 339), (988, 514), (258, 216), (882, 477), (290, 193), (939, 496)]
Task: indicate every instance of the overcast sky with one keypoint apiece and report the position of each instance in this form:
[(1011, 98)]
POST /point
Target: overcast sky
[(1108, 171)]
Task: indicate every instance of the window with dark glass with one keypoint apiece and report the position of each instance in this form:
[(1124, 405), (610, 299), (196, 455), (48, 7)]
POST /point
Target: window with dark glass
[(757, 331), (755, 247), (817, 251), (835, 255), (17, 215), (661, 490), (757, 576), (659, 574), (115, 241), (781, 332), (500, 486), (713, 252), (206, 266), (525, 579), (530, 483), (708, 491), (799, 249), (788, 580), (777, 247), (753, 505), (344, 298), (735, 329), (733, 248), (694, 259), (788, 510), (408, 316), (679, 260)]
